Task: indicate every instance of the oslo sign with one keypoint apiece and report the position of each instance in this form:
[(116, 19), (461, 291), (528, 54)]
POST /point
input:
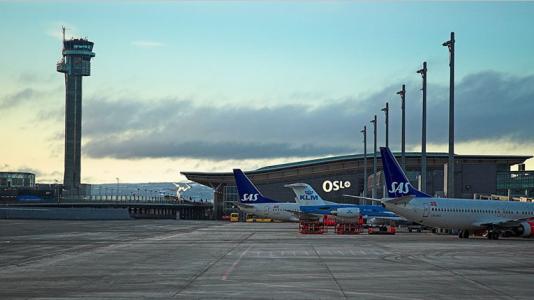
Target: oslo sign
[(335, 185)]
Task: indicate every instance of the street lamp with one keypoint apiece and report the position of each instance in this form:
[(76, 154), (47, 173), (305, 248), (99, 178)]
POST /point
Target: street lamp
[(117, 188), (373, 188), (364, 131), (450, 166), (386, 111), (402, 94), (423, 72)]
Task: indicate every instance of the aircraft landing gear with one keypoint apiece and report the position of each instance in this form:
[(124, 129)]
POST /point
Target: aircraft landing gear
[(493, 235), (463, 234)]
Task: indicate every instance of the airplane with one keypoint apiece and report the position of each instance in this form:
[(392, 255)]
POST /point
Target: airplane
[(181, 187), (313, 203), (253, 202), (496, 218)]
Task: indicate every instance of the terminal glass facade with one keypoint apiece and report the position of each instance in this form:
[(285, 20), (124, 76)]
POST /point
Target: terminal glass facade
[(520, 183), (230, 196), (17, 180)]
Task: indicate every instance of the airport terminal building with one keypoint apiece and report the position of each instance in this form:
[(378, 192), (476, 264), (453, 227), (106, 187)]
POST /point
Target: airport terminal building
[(333, 177)]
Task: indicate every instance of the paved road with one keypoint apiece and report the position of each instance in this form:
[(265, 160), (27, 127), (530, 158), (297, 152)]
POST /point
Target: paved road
[(213, 260)]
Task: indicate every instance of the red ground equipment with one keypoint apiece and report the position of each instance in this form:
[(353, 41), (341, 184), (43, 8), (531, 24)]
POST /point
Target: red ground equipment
[(350, 228), (382, 230), (311, 227), (329, 221)]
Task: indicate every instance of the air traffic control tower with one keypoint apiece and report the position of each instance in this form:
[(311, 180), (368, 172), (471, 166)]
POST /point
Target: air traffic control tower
[(75, 63)]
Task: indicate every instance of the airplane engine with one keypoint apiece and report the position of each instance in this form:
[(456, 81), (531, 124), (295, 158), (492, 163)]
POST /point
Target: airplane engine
[(526, 229), (347, 212)]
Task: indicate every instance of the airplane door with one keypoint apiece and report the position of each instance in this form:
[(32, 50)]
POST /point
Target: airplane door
[(265, 211), (426, 210)]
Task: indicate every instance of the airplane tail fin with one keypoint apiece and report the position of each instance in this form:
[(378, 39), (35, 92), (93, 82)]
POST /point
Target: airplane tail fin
[(305, 194), (396, 180), (248, 193)]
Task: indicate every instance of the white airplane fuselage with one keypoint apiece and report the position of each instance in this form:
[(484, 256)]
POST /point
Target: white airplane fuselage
[(276, 211), (464, 214)]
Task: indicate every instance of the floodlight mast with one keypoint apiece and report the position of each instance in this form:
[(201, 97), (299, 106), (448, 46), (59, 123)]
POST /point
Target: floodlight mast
[(386, 111), (450, 166), (373, 188), (402, 94), (364, 131), (423, 72)]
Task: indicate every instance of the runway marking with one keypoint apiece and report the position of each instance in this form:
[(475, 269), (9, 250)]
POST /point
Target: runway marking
[(329, 272), (234, 265), (211, 264)]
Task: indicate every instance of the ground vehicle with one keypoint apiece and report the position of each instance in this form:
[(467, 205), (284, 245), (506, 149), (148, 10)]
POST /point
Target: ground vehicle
[(264, 220), (234, 217), (381, 230), (415, 227)]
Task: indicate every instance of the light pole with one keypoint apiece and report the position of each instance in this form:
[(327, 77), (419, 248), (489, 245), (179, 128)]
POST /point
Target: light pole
[(450, 166), (117, 188), (423, 72), (373, 188), (402, 94), (364, 131), (386, 111), (56, 190)]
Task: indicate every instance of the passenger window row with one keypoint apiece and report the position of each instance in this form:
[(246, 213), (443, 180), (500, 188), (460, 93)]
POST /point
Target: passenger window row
[(484, 211)]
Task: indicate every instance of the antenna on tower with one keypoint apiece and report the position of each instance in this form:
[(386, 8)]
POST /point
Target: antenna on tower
[(63, 31)]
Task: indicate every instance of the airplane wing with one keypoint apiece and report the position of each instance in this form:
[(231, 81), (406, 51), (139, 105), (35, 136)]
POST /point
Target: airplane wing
[(360, 197), (504, 223), (392, 218), (242, 205), (399, 200), (302, 215)]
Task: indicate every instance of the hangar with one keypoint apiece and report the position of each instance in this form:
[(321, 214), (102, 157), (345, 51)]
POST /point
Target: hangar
[(333, 177)]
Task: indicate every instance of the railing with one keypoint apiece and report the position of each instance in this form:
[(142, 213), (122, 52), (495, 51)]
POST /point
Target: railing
[(128, 200), (119, 199)]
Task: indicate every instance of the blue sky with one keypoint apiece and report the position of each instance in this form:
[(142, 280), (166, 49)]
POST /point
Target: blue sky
[(306, 62)]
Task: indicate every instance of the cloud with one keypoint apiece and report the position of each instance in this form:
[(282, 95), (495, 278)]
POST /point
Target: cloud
[(136, 129), (153, 147), (147, 44), (45, 95), (489, 106), (18, 98), (30, 170)]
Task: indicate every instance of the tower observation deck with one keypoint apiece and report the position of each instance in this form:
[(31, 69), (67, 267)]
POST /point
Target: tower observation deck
[(75, 63)]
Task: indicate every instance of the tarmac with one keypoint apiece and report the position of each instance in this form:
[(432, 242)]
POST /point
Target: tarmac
[(216, 260)]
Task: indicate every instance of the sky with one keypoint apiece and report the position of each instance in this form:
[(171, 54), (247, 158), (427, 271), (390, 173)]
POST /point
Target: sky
[(211, 86)]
